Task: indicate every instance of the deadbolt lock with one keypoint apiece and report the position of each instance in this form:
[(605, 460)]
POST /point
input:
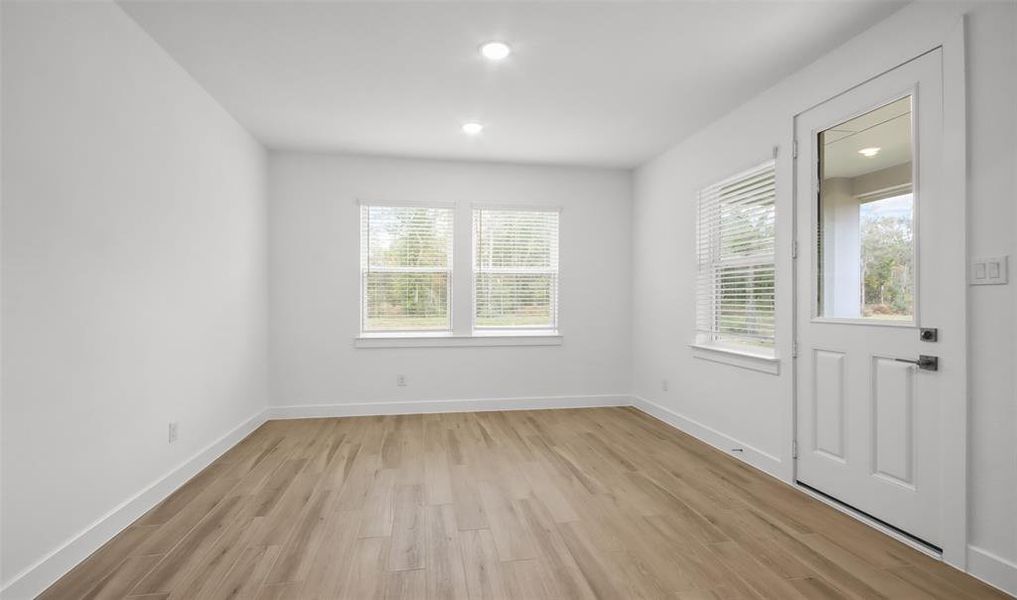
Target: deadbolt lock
[(928, 334)]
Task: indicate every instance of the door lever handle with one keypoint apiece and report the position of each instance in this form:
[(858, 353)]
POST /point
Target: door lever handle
[(924, 362)]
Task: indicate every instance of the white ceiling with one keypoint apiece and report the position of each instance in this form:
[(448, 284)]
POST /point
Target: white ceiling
[(603, 83), (887, 128)]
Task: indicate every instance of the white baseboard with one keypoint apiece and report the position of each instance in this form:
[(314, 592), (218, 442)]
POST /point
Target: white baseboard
[(992, 569), (441, 406), (763, 461), (768, 463), (982, 564), (36, 578)]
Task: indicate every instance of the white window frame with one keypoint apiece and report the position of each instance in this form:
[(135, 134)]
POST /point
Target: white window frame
[(365, 251), (554, 272), (709, 343), (461, 306)]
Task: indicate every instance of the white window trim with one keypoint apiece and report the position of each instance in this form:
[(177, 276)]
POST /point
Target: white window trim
[(461, 307), (750, 357), (404, 203), (360, 205), (503, 206), (448, 340), (764, 362), (556, 273)]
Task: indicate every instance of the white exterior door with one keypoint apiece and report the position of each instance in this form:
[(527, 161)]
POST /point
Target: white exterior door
[(873, 233)]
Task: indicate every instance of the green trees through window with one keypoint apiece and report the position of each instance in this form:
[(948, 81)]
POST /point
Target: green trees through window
[(406, 268), (887, 256), (515, 269), (735, 255)]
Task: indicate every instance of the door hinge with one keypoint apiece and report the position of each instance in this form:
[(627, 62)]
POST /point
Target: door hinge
[(794, 449), (794, 148), (794, 249), (794, 349)]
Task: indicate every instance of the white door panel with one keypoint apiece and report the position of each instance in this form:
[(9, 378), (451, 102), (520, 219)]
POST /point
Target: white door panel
[(872, 227), (828, 399), (893, 417)]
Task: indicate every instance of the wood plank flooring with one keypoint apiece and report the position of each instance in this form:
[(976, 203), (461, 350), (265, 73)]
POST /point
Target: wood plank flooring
[(529, 505)]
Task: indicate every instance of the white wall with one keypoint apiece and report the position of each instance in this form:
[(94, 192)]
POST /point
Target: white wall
[(992, 310), (134, 272), (751, 409), (314, 241)]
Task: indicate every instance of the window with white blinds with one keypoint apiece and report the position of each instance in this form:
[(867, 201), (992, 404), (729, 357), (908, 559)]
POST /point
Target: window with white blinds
[(515, 269), (735, 258), (405, 268)]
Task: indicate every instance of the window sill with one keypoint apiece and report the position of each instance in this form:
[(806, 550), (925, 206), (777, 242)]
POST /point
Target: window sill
[(745, 359), (447, 340)]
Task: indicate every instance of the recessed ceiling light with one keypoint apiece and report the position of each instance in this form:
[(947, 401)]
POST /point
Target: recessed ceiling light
[(495, 50), (869, 152), (472, 128)]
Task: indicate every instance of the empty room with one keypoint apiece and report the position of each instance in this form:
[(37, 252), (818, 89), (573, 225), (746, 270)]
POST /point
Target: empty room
[(508, 300)]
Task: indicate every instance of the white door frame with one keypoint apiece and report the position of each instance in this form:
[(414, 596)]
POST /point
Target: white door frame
[(953, 414)]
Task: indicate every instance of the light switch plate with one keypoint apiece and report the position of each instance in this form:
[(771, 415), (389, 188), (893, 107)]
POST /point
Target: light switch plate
[(991, 270)]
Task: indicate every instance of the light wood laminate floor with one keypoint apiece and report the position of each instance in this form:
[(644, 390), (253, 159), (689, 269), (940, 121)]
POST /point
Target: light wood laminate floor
[(588, 503)]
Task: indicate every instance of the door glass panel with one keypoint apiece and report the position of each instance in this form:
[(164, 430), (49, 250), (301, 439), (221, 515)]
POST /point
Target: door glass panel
[(866, 210)]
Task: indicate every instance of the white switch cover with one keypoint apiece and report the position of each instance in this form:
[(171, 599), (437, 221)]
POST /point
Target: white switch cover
[(992, 270)]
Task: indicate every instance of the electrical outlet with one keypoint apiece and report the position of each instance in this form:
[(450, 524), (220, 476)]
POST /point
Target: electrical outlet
[(401, 380), (663, 385), (174, 431)]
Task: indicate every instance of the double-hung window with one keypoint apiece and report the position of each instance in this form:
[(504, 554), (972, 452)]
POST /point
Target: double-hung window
[(735, 262), (515, 270), (409, 278), (405, 268)]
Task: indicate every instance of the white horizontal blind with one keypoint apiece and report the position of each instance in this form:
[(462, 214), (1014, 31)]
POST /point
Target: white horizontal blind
[(515, 274), (405, 268), (735, 258)]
